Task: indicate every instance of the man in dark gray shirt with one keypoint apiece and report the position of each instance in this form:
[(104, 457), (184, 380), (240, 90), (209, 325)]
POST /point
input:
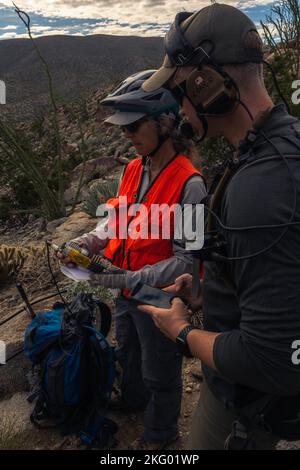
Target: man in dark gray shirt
[(251, 295)]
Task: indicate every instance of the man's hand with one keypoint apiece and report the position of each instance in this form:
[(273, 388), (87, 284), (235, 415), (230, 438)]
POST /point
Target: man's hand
[(183, 288), (172, 321), (169, 321)]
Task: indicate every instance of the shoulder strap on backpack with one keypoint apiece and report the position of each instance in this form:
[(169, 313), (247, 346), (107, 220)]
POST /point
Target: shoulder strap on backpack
[(105, 316)]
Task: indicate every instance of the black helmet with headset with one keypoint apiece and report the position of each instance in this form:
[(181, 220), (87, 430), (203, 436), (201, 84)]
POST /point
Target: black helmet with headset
[(207, 39)]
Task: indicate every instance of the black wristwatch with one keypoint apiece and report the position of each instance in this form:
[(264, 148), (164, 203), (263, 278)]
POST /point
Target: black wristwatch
[(182, 342)]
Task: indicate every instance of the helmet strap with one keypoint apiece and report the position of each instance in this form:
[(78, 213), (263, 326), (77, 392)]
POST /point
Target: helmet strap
[(162, 138)]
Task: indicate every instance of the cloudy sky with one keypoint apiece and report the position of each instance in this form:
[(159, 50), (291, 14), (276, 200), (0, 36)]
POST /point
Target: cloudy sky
[(126, 17)]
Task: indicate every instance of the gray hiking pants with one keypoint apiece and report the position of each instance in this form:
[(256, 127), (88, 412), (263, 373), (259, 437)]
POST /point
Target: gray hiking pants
[(151, 370)]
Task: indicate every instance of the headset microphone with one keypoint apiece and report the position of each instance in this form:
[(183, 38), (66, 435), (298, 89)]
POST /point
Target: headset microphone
[(187, 130)]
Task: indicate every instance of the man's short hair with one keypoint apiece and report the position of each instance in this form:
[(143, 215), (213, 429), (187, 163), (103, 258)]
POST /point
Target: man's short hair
[(248, 74)]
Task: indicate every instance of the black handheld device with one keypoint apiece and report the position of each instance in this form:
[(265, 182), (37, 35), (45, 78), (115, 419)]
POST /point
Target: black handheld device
[(148, 295)]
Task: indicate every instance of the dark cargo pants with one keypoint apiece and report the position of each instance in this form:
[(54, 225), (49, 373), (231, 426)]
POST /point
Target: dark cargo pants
[(151, 370)]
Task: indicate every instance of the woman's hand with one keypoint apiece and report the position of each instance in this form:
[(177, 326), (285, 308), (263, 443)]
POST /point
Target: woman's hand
[(183, 288), (65, 259)]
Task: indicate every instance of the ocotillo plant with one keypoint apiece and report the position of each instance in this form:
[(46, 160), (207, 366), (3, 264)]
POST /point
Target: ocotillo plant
[(20, 154), (26, 20)]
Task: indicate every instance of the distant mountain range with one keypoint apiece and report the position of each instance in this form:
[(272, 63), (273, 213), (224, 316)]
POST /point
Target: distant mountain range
[(78, 66)]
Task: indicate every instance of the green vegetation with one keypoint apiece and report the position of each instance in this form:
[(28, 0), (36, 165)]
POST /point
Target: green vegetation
[(100, 292), (282, 39)]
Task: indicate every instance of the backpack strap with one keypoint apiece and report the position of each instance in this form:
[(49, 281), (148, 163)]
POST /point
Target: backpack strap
[(110, 356), (39, 414), (106, 317)]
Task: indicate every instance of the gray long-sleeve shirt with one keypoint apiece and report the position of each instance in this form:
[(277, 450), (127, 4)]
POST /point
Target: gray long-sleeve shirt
[(164, 272)]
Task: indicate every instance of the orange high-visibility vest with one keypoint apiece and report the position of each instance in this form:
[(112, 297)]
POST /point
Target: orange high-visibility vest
[(167, 188)]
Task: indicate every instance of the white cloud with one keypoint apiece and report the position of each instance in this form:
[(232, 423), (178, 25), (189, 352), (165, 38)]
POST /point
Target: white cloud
[(53, 32), (121, 10), (39, 29), (9, 27)]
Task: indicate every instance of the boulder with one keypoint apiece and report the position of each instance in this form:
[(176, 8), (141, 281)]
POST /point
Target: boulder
[(51, 226), (91, 170), (77, 224), (13, 375), (70, 194), (91, 166)]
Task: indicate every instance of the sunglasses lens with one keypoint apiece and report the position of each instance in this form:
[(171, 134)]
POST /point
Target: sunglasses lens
[(130, 128), (133, 127)]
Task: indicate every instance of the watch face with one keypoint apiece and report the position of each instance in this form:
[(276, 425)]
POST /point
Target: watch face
[(182, 343), (183, 347)]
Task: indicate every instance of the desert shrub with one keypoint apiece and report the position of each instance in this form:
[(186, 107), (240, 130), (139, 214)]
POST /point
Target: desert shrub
[(102, 293), (9, 438)]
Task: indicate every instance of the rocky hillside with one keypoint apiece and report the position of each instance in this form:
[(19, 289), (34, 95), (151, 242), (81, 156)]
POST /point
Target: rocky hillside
[(83, 64)]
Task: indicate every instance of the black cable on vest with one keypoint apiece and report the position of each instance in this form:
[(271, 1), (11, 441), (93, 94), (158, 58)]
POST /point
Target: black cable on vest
[(285, 226)]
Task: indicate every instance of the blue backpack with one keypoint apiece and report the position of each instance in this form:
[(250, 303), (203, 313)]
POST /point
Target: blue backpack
[(76, 370)]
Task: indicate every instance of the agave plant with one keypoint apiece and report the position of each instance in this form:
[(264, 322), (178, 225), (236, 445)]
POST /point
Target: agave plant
[(99, 194)]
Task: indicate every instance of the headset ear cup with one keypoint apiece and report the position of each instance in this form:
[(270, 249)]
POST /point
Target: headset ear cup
[(197, 86), (211, 90)]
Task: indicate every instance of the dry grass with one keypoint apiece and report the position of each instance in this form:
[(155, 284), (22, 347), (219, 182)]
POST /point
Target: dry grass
[(10, 437)]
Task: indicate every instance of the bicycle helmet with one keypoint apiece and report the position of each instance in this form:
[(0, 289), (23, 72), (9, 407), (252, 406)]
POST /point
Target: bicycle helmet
[(132, 103)]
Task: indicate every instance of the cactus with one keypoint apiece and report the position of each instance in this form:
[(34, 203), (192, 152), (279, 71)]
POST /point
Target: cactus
[(21, 260), (12, 259)]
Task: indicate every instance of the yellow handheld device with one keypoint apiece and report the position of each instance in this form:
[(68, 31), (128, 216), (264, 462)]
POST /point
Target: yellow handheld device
[(79, 255)]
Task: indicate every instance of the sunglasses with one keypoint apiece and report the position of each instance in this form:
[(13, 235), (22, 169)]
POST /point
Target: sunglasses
[(134, 126)]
